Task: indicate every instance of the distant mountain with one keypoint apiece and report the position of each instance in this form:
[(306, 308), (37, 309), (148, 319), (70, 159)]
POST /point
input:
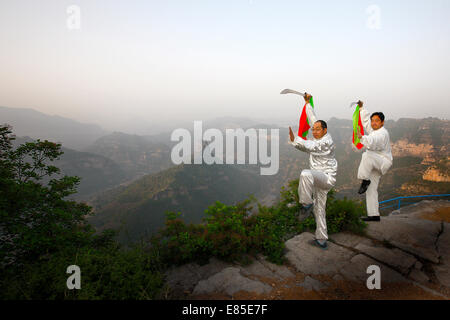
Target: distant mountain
[(137, 155), (142, 155), (140, 207), (97, 173), (37, 125), (221, 123), (231, 123)]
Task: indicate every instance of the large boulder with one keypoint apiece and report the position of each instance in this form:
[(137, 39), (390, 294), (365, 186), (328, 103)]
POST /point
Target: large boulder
[(412, 235), (336, 260), (183, 279)]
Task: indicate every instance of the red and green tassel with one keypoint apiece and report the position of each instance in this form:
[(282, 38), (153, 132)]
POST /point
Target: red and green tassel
[(357, 127), (303, 126)]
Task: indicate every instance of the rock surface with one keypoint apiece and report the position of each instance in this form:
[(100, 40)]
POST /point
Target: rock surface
[(263, 268), (442, 271), (356, 270), (310, 259), (395, 258), (312, 284), (230, 281), (412, 235), (183, 279)]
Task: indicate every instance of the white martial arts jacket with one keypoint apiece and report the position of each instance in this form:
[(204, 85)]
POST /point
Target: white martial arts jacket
[(321, 151), (375, 141)]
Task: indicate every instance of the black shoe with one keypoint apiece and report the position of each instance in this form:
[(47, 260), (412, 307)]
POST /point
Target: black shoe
[(364, 186), (316, 243), (374, 218)]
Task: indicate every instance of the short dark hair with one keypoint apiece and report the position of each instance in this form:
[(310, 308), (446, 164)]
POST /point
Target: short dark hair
[(379, 114), (323, 124)]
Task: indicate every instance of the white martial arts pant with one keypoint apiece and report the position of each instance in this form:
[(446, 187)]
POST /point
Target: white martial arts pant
[(372, 167), (317, 183)]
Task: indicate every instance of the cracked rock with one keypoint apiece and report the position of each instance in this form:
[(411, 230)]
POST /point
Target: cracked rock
[(419, 276), (258, 269), (442, 271), (312, 284), (185, 277), (349, 240), (415, 236), (281, 271), (230, 281), (356, 270), (310, 259), (393, 257)]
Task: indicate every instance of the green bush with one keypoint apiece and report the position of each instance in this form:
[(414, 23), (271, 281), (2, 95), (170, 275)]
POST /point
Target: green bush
[(223, 235), (225, 230), (106, 273), (345, 215), (180, 243)]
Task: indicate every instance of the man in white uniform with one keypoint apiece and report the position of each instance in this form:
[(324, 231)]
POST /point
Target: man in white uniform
[(315, 183), (375, 161)]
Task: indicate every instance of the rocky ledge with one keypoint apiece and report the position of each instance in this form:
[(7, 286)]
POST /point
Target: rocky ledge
[(411, 247)]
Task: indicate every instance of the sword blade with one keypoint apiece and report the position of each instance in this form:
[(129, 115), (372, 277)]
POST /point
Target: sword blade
[(285, 91)]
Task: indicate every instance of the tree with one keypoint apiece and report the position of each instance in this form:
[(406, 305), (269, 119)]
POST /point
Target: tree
[(42, 233), (35, 219)]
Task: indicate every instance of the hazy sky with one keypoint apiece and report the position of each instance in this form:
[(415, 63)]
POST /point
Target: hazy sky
[(139, 62)]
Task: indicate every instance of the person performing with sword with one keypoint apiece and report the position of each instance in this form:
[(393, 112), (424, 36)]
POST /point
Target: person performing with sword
[(376, 160), (317, 181)]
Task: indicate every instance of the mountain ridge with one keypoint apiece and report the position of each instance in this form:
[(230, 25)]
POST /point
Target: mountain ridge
[(38, 125)]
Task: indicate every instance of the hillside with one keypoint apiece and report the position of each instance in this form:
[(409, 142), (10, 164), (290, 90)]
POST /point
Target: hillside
[(37, 125), (137, 155), (139, 208), (97, 173)]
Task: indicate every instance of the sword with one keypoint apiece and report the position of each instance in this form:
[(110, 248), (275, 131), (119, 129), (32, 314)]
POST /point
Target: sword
[(285, 91)]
